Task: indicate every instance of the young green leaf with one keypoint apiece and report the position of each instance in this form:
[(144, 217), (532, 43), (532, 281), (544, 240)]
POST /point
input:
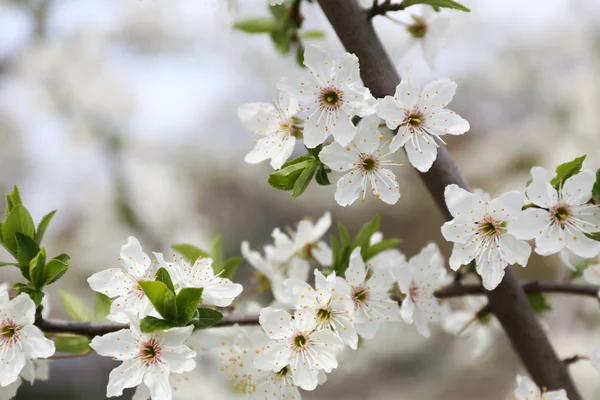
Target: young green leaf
[(37, 296), (322, 175), (363, 238), (43, 225), (76, 309), (256, 25), (56, 268), (230, 267), (13, 199), (36, 269), (286, 177), (188, 300), (300, 56), (580, 266), (596, 188), (189, 251), (216, 253), (538, 302), (314, 34), (371, 251), (18, 220), (161, 298), (344, 235), (162, 275), (27, 248), (152, 324), (74, 344), (436, 3), (206, 317), (567, 170), (304, 179), (102, 308)]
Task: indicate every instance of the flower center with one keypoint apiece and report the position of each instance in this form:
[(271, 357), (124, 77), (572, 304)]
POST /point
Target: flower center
[(360, 294), (331, 98), (418, 30), (300, 341), (413, 291), (369, 163), (149, 351), (490, 227), (323, 315), (414, 118), (8, 331), (561, 213), (283, 372)]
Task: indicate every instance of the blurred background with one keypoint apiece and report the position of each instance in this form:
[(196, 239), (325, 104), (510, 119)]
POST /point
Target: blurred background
[(122, 114)]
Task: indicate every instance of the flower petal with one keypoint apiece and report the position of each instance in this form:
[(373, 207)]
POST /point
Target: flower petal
[(446, 122), (507, 206), (341, 127), (462, 202), (157, 381), (421, 151), (581, 245), (259, 118), (407, 92), (276, 323), (437, 94), (179, 359), (133, 259), (515, 251), (540, 192), (386, 187), (389, 110), (529, 223), (356, 272), (339, 158), (319, 63), (34, 343), (12, 361), (348, 188), (120, 345), (368, 138), (21, 310), (552, 240), (577, 190), (112, 282)]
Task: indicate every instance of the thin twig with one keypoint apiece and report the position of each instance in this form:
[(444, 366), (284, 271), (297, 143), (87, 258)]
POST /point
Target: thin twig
[(384, 8), (528, 287), (574, 359)]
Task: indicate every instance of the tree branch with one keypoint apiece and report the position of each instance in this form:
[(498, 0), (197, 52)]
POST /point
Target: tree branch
[(508, 302), (528, 287), (101, 328), (384, 8)]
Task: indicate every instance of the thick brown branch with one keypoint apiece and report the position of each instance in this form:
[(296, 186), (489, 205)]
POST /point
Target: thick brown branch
[(528, 287), (101, 328), (508, 302)]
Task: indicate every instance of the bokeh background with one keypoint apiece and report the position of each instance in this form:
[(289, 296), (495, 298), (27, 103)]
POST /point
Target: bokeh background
[(122, 114)]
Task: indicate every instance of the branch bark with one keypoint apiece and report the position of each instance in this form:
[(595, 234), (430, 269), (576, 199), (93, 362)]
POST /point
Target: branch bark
[(508, 302), (528, 286)]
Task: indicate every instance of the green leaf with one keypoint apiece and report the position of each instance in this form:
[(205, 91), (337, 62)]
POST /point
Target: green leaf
[(206, 317), (538, 302), (364, 235), (4, 264), (162, 275), (335, 251), (256, 25), (161, 298), (436, 3), (304, 178), (313, 34), (76, 309), (188, 300), (13, 199), (322, 175), (567, 170), (189, 251), (595, 236), (596, 188), (286, 177), (18, 220), (102, 308), (230, 267), (344, 235), (371, 251), (36, 269), (27, 249), (41, 229), (56, 268), (152, 324), (580, 266), (72, 344), (37, 296), (216, 253), (300, 56)]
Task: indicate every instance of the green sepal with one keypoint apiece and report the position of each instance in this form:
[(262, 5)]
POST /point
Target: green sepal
[(538, 302), (256, 25)]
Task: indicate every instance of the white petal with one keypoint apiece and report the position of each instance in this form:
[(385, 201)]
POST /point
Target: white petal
[(389, 110), (273, 357), (135, 261), (157, 381), (529, 224), (12, 361), (303, 295), (386, 187), (342, 129), (111, 282), (276, 323), (347, 70), (21, 310), (319, 63), (461, 202), (446, 122), (421, 151), (407, 310), (175, 337), (551, 241), (316, 131), (303, 88), (577, 189), (325, 345), (304, 376), (421, 322), (286, 150), (592, 275), (348, 188), (10, 391), (356, 272), (120, 345), (433, 40), (462, 254), (526, 389), (322, 253), (35, 344), (459, 230), (221, 294), (515, 251), (339, 158), (179, 359), (260, 118), (540, 192), (407, 92), (506, 206), (581, 245), (368, 137), (595, 358), (437, 94), (491, 270), (299, 269)]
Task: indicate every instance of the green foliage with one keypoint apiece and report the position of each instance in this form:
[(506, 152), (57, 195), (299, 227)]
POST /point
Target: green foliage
[(436, 4), (217, 254), (27, 249), (102, 308), (206, 317), (76, 309), (539, 302), (56, 268), (296, 175), (256, 25), (75, 344), (162, 275), (596, 188), (342, 248), (41, 229), (580, 266), (230, 267), (304, 179), (162, 298), (152, 324), (13, 199), (36, 269), (190, 252), (18, 220), (188, 300), (322, 175), (567, 170), (314, 34)]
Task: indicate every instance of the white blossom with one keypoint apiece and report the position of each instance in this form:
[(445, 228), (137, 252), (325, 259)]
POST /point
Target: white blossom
[(329, 96), (275, 124), (305, 241), (595, 358), (418, 279), (421, 118), (296, 344), (364, 162), (479, 232), (480, 333), (122, 283), (561, 217), (528, 390), (369, 292), (20, 340), (217, 291), (147, 357), (329, 303)]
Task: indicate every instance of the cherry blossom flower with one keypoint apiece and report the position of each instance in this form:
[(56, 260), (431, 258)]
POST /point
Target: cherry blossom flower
[(147, 357), (330, 96), (421, 119), (369, 292), (561, 217), (122, 284), (592, 273), (479, 232), (480, 333), (329, 303), (217, 291), (297, 345), (305, 242), (276, 126), (386, 259), (528, 390), (364, 161), (418, 279), (33, 370), (20, 340)]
